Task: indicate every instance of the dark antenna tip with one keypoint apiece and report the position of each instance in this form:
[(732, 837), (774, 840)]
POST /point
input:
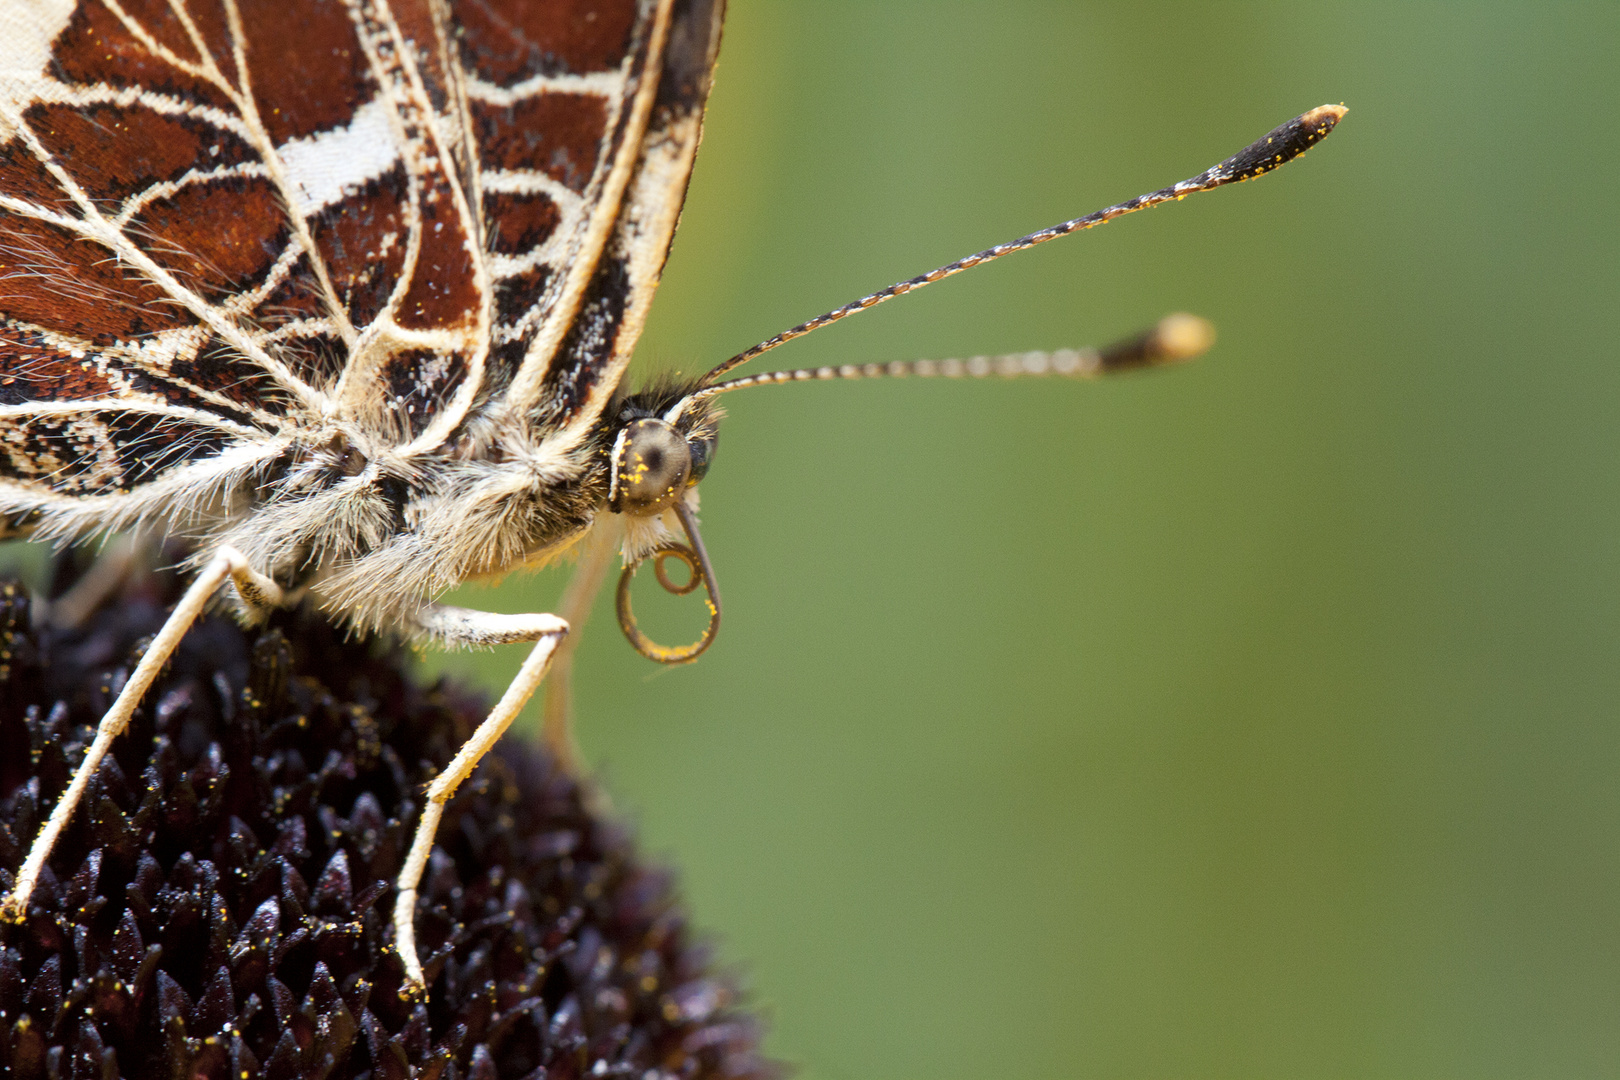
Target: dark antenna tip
[(1280, 146)]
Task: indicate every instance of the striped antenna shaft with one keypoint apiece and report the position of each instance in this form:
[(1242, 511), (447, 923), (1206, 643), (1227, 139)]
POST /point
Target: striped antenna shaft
[(1176, 338), (1279, 147)]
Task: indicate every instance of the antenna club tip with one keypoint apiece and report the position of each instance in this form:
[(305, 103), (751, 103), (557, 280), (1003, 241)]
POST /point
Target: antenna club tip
[(1181, 337), (1277, 147), (1173, 339)]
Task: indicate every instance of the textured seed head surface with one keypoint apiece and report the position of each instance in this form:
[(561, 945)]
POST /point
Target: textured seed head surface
[(220, 905)]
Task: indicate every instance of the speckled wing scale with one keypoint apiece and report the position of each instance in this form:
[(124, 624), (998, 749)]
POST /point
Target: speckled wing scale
[(299, 279)]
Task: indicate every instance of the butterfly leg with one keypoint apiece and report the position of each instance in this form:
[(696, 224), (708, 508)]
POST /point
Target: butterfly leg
[(254, 587), (557, 725), (459, 626)]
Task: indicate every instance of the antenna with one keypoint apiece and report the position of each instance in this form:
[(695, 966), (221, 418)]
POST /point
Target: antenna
[(1175, 338), (1279, 147)]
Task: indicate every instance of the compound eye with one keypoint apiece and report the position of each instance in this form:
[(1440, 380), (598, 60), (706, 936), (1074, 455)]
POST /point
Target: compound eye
[(651, 467), (702, 455)]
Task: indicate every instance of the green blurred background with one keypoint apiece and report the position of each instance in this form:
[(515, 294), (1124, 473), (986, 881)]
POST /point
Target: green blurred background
[(1258, 718), (1255, 718)]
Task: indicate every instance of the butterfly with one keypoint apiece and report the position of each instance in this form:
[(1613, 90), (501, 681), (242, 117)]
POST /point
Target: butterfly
[(341, 294)]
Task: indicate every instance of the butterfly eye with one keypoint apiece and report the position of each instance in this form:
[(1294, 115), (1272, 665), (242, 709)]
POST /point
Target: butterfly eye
[(651, 467), (702, 450)]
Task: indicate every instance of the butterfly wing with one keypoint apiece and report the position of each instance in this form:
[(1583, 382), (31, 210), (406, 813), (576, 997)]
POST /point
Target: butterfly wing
[(584, 372), (583, 168), (227, 226)]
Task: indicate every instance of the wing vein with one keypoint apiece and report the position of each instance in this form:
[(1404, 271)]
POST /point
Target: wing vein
[(259, 138), (94, 226), (530, 379), (450, 414)]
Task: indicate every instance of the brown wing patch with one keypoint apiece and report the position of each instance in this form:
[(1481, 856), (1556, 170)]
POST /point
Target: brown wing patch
[(307, 66), (362, 239), (517, 295), (99, 48), (220, 238), (23, 176), (121, 150), (443, 292), (558, 134), (296, 298), (519, 223), (57, 279), (508, 42)]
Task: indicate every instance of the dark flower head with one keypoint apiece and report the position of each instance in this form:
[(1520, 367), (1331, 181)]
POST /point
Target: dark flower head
[(218, 906)]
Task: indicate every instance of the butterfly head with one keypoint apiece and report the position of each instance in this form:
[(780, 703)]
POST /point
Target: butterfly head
[(663, 443), (663, 447)]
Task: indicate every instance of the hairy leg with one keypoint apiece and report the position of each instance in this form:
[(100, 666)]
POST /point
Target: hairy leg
[(595, 559), (227, 564), (463, 627)]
